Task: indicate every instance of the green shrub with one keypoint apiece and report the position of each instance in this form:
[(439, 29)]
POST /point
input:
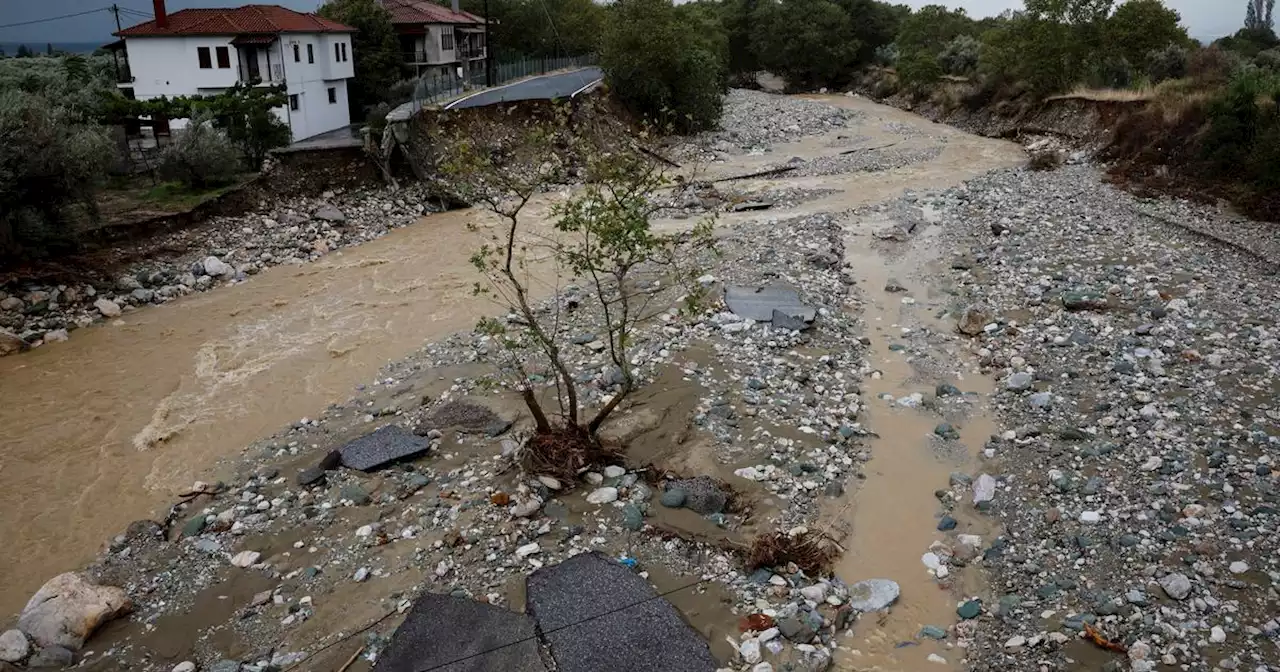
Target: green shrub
[(200, 156), (1167, 63), (1268, 60), (1113, 72), (919, 70), (960, 56), (660, 68), (887, 55)]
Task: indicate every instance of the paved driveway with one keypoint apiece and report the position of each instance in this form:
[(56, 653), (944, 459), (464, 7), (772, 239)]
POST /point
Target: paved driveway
[(543, 87)]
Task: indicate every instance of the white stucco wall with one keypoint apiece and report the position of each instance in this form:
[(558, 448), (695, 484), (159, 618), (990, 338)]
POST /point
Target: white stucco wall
[(170, 66)]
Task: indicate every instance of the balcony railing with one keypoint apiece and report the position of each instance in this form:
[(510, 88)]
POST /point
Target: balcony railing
[(415, 57), (274, 75), (468, 51)]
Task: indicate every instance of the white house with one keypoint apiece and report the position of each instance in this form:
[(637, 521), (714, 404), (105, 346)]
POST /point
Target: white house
[(438, 40), (205, 51)]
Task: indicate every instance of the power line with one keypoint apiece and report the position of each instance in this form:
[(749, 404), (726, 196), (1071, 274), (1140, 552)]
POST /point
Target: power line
[(53, 18)]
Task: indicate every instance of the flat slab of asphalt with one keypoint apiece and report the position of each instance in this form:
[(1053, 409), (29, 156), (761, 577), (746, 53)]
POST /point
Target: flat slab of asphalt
[(542, 87)]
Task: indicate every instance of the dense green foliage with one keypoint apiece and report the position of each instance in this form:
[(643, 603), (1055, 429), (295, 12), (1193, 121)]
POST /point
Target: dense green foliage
[(51, 160), (541, 28), (810, 53), (660, 67), (375, 50), (1243, 139)]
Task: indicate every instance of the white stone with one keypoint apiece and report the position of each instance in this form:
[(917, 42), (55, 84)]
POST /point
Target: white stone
[(361, 575), (935, 658), (603, 496), (1090, 517), (1015, 642), (762, 667), (1139, 650), (364, 531), (1217, 635), (750, 651), (185, 666), (68, 608), (749, 473), (614, 471), (214, 266), (56, 336), (13, 646), (1154, 462), (817, 592), (1239, 567), (931, 560), (549, 482), (768, 635), (245, 558), (528, 550), (107, 307)]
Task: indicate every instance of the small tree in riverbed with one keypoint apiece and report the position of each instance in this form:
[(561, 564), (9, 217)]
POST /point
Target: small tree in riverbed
[(601, 235)]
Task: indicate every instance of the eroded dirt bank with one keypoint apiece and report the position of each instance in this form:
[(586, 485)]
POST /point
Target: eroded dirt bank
[(1000, 477)]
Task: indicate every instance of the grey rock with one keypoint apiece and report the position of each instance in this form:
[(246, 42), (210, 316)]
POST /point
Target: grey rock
[(456, 634), (796, 630), (632, 517), (355, 493), (225, 666), (52, 657), (328, 213), (13, 646), (1177, 586), (143, 295), (107, 308), (873, 594), (673, 498), (1018, 381), (310, 476)]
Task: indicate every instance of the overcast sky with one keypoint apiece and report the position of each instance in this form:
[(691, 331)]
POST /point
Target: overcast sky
[(1203, 18)]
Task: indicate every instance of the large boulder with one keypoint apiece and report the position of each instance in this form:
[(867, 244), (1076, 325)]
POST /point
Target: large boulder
[(11, 343), (217, 268), (973, 319), (107, 307), (68, 608)]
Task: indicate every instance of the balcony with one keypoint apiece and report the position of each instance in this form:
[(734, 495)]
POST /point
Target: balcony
[(467, 51), (415, 57), (254, 75)]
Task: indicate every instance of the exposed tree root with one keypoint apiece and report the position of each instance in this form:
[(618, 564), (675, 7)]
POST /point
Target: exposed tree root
[(812, 553), (564, 453)]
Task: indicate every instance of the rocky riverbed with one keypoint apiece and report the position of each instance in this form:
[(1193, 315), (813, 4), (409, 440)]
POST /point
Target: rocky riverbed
[(1096, 388)]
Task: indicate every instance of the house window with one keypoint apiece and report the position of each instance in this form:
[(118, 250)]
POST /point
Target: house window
[(297, 56), (337, 52), (311, 54), (344, 52), (446, 41), (293, 102), (206, 61), (333, 95), (224, 57)]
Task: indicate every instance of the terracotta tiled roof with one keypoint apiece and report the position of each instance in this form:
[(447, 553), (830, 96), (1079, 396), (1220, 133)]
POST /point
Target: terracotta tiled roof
[(426, 11), (246, 20)]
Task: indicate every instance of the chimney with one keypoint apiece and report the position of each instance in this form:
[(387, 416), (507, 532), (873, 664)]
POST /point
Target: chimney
[(162, 19), (455, 5)]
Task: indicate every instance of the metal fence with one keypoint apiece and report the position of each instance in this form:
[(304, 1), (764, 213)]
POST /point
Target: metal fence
[(440, 86)]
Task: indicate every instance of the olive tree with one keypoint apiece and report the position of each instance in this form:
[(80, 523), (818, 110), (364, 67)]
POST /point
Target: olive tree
[(601, 236)]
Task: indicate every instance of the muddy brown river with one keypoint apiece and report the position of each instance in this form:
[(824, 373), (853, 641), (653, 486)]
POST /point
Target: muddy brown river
[(106, 428)]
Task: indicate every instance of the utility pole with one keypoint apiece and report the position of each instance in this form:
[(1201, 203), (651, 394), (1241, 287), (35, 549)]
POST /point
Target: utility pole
[(115, 53), (488, 48)]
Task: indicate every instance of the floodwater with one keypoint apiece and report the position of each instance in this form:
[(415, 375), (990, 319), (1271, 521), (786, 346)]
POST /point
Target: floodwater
[(106, 428)]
